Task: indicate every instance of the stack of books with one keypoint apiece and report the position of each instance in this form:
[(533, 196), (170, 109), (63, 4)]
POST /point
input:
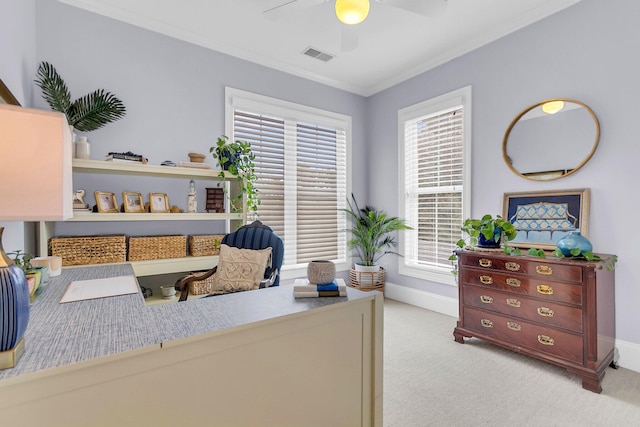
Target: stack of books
[(332, 289), (127, 157), (197, 165)]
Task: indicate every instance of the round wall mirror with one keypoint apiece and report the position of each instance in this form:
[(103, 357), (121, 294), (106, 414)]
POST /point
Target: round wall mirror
[(551, 139)]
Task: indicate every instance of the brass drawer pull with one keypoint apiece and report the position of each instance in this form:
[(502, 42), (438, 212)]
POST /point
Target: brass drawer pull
[(544, 269), (545, 312), (512, 266), (513, 282), (545, 290), (514, 326), (484, 262), (513, 302), (545, 340), (486, 280), (486, 323), (486, 299)]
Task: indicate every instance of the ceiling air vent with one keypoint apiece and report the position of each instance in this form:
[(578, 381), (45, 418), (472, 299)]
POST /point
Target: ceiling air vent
[(315, 53)]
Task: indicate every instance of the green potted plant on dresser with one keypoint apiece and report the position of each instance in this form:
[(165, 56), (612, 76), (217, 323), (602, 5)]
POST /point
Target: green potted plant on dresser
[(487, 232)]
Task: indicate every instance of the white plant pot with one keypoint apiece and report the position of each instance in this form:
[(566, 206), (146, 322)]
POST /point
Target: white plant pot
[(367, 268)]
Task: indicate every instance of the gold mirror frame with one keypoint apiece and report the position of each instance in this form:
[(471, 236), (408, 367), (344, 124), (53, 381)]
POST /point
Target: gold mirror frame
[(549, 176), (6, 97)]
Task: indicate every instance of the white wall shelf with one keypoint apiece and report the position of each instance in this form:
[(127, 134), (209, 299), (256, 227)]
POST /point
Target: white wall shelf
[(162, 266), (109, 217)]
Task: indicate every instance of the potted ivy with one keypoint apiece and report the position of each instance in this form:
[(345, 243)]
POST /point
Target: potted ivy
[(237, 158), (35, 275), (487, 232), (371, 235)]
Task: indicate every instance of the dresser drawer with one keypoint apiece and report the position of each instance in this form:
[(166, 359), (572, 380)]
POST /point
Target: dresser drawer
[(538, 269), (548, 313), (524, 285), (522, 333)]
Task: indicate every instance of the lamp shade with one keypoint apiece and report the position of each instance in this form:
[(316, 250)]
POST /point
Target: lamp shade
[(35, 185), (352, 11), (35, 165)]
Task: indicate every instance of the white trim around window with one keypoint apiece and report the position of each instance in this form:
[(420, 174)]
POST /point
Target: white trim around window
[(460, 101)]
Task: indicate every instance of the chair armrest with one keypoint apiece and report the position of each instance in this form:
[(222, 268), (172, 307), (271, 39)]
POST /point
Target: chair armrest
[(182, 284), (265, 283)]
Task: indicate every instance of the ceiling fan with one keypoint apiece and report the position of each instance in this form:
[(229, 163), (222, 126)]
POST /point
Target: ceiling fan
[(353, 12)]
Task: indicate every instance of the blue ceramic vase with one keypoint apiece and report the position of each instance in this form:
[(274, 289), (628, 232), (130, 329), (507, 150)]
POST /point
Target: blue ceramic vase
[(14, 301), (574, 240)]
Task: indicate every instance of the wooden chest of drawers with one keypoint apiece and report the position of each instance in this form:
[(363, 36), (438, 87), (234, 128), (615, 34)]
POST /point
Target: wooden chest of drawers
[(559, 311)]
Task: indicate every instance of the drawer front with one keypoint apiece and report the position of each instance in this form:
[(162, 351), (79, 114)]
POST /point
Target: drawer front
[(548, 313), (521, 333), (524, 285), (522, 265)]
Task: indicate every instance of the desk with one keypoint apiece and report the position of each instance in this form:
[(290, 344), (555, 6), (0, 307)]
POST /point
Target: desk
[(251, 358)]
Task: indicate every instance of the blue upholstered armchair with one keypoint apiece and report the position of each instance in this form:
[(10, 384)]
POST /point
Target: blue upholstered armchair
[(252, 236)]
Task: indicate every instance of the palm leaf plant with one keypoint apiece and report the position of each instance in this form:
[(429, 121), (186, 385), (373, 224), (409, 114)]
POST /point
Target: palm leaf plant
[(371, 235), (85, 114)]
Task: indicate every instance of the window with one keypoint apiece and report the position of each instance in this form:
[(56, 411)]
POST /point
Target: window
[(301, 164), (434, 144)]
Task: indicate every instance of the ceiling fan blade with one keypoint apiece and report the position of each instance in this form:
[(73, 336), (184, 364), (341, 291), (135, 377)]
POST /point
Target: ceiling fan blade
[(349, 37), (421, 7), (289, 7)]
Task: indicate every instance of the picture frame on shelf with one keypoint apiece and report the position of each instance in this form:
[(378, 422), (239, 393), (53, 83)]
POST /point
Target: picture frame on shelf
[(158, 203), (106, 202), (132, 202), (542, 218)]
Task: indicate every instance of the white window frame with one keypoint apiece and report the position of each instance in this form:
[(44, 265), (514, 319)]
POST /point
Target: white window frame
[(240, 99), (455, 98)]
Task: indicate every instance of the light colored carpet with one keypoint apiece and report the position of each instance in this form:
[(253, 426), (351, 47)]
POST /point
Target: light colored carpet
[(431, 380)]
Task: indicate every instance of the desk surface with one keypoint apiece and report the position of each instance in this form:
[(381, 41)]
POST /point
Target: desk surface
[(63, 334)]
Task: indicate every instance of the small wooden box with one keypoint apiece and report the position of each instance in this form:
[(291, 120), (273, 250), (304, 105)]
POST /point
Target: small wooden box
[(215, 200)]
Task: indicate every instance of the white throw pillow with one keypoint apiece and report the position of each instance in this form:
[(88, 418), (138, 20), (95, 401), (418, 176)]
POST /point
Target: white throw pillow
[(240, 269)]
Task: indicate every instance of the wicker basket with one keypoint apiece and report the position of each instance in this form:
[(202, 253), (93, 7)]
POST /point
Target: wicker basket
[(203, 286), (205, 244), (367, 281), (143, 248), (81, 250)]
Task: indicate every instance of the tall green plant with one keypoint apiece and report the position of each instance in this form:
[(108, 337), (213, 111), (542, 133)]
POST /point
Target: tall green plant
[(371, 237), (87, 113)]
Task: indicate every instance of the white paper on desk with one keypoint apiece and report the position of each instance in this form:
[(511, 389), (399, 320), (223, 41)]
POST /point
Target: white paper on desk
[(100, 288)]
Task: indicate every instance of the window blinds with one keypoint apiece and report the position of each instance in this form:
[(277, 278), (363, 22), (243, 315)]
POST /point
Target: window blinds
[(434, 185), (301, 169)]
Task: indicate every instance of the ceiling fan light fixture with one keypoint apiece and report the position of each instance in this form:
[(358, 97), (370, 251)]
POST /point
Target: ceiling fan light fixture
[(352, 12)]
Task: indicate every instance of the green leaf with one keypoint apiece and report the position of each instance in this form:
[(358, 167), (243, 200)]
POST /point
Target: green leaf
[(95, 110), (54, 89)]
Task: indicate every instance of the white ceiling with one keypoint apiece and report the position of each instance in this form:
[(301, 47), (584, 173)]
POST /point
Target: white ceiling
[(393, 44)]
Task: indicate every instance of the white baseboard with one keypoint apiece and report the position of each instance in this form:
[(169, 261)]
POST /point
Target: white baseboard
[(422, 299), (628, 353)]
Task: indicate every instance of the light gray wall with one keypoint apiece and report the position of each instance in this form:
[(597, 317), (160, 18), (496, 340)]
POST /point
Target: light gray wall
[(173, 91), (587, 52), (17, 58)]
